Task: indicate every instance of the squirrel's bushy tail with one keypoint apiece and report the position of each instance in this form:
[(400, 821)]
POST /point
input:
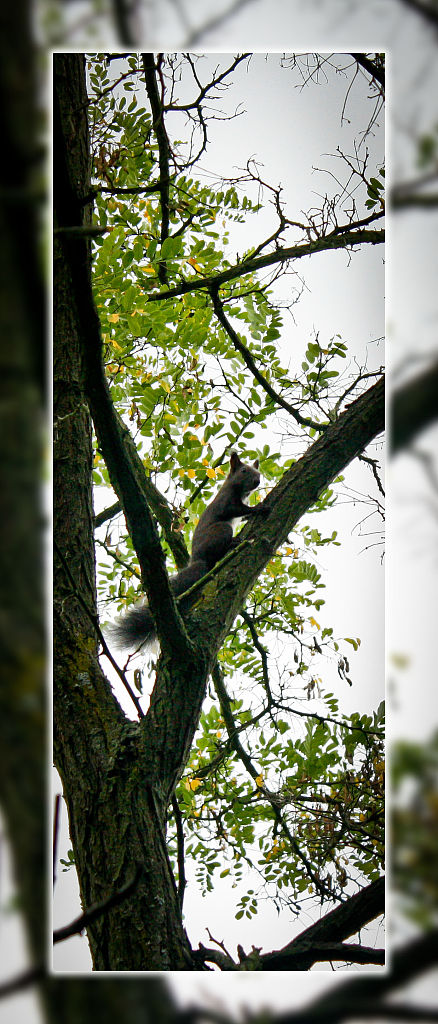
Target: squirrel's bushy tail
[(137, 628), (134, 629)]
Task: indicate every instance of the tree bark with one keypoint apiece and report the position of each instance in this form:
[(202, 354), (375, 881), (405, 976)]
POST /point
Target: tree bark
[(22, 379), (112, 781), (414, 407)]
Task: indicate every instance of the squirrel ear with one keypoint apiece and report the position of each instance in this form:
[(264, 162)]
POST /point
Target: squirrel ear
[(256, 464), (234, 461)]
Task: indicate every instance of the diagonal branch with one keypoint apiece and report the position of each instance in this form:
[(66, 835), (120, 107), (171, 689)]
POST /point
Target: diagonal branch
[(335, 240), (371, 67), (426, 10), (248, 359), (414, 407), (197, 34), (296, 492), (334, 928), (149, 68)]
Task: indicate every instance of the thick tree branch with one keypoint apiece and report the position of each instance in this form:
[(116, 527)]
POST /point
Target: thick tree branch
[(21, 982), (373, 69), (414, 407), (407, 194), (358, 997), (295, 493), (426, 10), (332, 929), (107, 513), (403, 200), (335, 240), (149, 68), (123, 11)]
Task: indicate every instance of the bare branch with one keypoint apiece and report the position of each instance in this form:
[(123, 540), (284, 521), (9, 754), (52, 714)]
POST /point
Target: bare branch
[(248, 359), (197, 34), (425, 9)]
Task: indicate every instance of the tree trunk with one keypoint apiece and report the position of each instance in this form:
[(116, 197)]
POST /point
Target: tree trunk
[(111, 784), (22, 747)]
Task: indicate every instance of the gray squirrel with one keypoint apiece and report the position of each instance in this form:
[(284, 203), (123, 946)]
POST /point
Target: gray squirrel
[(212, 539)]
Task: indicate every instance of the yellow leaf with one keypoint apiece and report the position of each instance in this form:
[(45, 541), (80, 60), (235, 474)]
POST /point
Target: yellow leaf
[(313, 622), (191, 474), (114, 318), (211, 473), (195, 783), (259, 781), (194, 264)]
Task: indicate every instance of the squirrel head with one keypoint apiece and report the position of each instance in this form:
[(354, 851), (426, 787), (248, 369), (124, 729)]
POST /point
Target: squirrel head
[(249, 475)]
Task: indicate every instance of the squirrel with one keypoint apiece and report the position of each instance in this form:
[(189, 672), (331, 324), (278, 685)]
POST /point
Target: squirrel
[(212, 539)]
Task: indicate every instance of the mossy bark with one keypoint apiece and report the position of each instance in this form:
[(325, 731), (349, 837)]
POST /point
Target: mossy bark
[(117, 777)]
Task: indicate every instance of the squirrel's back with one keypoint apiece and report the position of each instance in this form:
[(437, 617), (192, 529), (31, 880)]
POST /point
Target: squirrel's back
[(212, 538)]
